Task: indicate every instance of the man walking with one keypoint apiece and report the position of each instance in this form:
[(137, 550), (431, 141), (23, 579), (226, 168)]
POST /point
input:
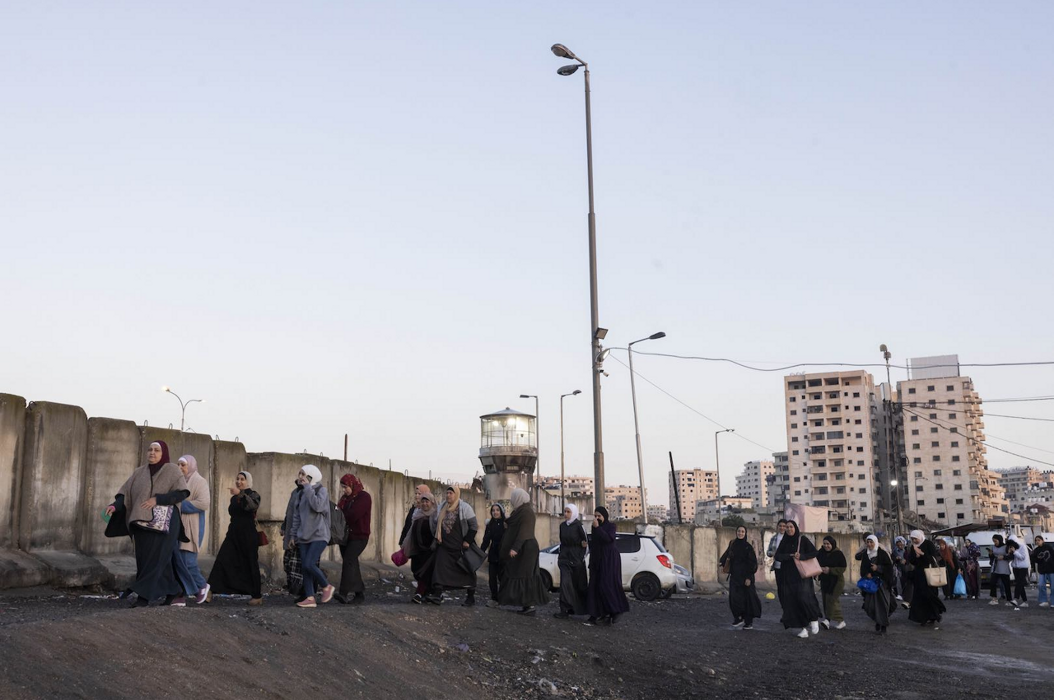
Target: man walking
[(1043, 557)]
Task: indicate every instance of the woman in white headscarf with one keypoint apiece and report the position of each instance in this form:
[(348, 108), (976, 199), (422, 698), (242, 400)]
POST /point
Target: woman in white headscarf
[(572, 563), (877, 565), (523, 585)]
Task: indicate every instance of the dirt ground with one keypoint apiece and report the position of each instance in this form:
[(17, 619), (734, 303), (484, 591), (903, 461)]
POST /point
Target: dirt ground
[(66, 645)]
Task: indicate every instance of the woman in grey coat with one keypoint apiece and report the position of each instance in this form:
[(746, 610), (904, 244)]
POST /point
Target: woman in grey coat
[(455, 527), (311, 519), (572, 562)]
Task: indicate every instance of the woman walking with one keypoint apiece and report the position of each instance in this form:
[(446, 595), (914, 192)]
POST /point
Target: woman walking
[(523, 585), (455, 531), (418, 544), (742, 563), (311, 525), (237, 567), (574, 583), (192, 513), (970, 558), (357, 507), (492, 536), (1022, 567), (1000, 571), (952, 567), (605, 600), (145, 510), (832, 582), (800, 609), (926, 605), (876, 565)]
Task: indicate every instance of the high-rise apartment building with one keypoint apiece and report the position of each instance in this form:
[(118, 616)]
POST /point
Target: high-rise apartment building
[(753, 482), (623, 502), (947, 478), (1016, 481), (779, 481), (687, 486), (657, 513), (830, 436)]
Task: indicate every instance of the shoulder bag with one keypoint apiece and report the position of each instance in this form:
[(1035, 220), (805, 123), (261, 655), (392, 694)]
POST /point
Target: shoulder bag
[(807, 568), (936, 576), (160, 521)]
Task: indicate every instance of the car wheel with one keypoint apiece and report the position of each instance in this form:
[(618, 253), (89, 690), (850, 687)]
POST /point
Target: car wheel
[(547, 580), (668, 593), (646, 587)]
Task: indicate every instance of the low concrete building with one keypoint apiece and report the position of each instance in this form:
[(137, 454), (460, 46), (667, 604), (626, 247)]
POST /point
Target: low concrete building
[(688, 486), (708, 511)]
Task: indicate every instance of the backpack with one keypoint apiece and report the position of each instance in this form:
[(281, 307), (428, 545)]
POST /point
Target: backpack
[(338, 528)]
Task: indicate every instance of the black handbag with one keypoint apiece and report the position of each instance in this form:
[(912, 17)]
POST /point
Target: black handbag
[(472, 558)]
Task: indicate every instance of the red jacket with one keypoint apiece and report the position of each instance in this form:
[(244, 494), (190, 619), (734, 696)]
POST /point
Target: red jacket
[(357, 516)]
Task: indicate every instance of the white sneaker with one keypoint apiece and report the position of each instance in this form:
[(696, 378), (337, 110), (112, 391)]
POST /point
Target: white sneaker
[(826, 623), (1044, 605), (993, 601), (1023, 605), (814, 627), (804, 634), (840, 625)]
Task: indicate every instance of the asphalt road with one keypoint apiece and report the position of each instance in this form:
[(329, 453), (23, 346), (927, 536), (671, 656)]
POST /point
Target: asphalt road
[(67, 646)]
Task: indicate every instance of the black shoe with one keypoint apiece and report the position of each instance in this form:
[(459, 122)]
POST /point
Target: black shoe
[(139, 602), (527, 610), (434, 599), (340, 598), (591, 621), (561, 615), (614, 618), (358, 599), (470, 600)]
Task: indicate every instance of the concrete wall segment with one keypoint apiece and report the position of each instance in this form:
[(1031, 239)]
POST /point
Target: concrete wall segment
[(12, 440), (113, 454)]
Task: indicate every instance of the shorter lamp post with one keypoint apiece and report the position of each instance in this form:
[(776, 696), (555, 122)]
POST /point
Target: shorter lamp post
[(717, 461), (636, 426), (576, 392)]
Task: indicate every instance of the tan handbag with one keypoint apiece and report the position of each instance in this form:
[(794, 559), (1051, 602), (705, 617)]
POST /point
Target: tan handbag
[(807, 568), (936, 576)]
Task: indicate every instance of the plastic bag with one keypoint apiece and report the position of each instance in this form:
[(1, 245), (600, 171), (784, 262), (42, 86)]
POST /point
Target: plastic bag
[(960, 586)]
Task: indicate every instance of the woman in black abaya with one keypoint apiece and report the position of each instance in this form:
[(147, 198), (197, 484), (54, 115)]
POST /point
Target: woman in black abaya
[(877, 565), (742, 563), (800, 609), (926, 605)]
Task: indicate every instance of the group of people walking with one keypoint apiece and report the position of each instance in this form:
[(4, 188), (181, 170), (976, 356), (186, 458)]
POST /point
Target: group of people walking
[(796, 562)]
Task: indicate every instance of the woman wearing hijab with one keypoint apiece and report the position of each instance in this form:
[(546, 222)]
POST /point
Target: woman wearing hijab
[(742, 563), (574, 582), (1000, 571), (832, 582), (237, 567), (952, 567), (146, 506), (311, 525), (522, 585), (899, 556), (1021, 566), (192, 513), (418, 544), (970, 559), (605, 600), (357, 508), (492, 537), (877, 565), (800, 609), (455, 527), (926, 605)]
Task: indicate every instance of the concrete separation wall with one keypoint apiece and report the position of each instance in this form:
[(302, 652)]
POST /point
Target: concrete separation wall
[(113, 454), (12, 430)]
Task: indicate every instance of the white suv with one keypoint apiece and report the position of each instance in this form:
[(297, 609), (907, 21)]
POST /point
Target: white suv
[(647, 568)]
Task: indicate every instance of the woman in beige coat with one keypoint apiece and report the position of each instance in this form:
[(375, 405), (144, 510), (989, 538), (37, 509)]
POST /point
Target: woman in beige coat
[(192, 513)]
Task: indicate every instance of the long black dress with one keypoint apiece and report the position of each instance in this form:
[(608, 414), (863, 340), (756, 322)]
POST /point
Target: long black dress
[(799, 597), (879, 605), (155, 576), (574, 581), (743, 564), (522, 584), (605, 596), (926, 605), (447, 572), (237, 567)]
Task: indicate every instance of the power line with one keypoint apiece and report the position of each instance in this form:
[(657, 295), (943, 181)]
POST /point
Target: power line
[(690, 408), (989, 435), (955, 410), (978, 442), (999, 415)]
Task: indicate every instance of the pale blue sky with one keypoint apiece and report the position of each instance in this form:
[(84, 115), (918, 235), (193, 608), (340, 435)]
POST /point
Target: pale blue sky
[(370, 217)]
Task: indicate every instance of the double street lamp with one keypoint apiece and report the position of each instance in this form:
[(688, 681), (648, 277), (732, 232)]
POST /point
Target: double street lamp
[(636, 426), (182, 406), (563, 497), (596, 333)]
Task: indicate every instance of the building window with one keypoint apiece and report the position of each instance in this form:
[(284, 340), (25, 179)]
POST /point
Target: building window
[(918, 475), (794, 413), (957, 472), (914, 419), (958, 487), (916, 460), (940, 487), (935, 443), (856, 394), (861, 490), (794, 426), (951, 416), (940, 516), (793, 400), (933, 430), (794, 439), (955, 443), (955, 458), (932, 416), (797, 479), (922, 503), (911, 390), (940, 501), (949, 388), (918, 488), (859, 436), (936, 472), (795, 453), (936, 458), (797, 493), (951, 402), (931, 388), (915, 446), (954, 430), (958, 502), (915, 431), (960, 516)]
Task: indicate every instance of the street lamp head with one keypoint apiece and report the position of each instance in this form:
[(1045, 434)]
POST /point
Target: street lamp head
[(576, 392), (567, 70), (656, 336), (526, 396), (893, 482), (165, 388), (563, 52), (883, 348)]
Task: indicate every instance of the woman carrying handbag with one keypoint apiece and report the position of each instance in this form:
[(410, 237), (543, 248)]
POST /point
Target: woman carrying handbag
[(928, 575), (798, 566)]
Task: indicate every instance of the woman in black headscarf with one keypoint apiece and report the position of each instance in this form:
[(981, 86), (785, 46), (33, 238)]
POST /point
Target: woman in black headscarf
[(144, 509), (926, 605), (800, 609), (522, 585), (237, 567), (742, 564), (877, 565), (492, 537), (605, 599), (832, 582), (572, 563)]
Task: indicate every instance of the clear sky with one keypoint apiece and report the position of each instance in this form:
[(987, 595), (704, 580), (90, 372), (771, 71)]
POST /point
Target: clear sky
[(371, 217)]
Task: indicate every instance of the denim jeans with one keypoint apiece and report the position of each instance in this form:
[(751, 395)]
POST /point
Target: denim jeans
[(190, 573), (1042, 581), (309, 556)]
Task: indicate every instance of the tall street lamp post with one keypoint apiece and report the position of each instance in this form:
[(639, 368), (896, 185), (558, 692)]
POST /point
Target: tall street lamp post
[(596, 333), (636, 425), (717, 461), (891, 447), (563, 497), (182, 406)]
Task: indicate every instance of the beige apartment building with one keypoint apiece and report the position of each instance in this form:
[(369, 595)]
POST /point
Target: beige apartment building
[(753, 482), (708, 511), (1017, 481), (947, 479), (831, 438), (779, 481), (687, 487), (623, 502)]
